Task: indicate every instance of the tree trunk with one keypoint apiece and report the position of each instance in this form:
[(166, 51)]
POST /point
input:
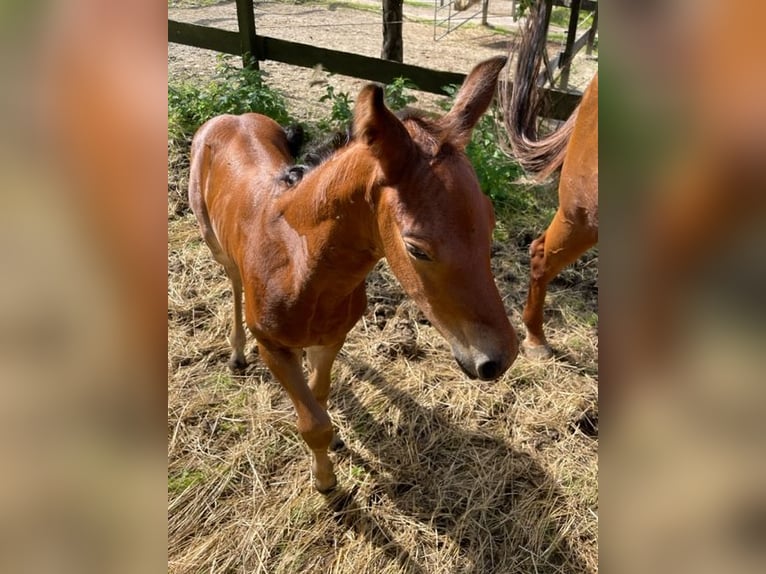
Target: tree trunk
[(393, 46)]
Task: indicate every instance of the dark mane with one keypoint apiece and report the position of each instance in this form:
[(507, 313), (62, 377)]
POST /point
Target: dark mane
[(425, 133), (321, 151), (312, 155)]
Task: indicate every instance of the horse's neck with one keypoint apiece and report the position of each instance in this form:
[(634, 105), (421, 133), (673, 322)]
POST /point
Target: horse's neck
[(332, 207)]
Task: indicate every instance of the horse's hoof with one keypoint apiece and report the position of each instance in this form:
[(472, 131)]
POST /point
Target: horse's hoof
[(326, 487), (237, 364), (337, 443), (536, 352)]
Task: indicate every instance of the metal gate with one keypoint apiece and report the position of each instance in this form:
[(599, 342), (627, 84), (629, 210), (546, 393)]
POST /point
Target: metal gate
[(451, 14)]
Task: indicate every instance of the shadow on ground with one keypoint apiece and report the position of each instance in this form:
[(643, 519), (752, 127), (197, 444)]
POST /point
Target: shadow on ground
[(497, 504)]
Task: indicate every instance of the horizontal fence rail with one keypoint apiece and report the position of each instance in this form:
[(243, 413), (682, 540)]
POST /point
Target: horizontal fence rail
[(347, 64)]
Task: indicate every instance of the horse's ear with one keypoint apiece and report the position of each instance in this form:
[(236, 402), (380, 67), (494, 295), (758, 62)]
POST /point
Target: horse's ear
[(382, 132), (472, 101)]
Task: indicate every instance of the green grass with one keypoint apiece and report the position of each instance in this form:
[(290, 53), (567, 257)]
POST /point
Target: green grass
[(224, 381), (560, 17), (187, 478), (418, 4)]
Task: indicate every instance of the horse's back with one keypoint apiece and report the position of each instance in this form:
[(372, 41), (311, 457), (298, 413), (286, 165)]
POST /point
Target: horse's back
[(236, 158), (243, 141), (234, 165)]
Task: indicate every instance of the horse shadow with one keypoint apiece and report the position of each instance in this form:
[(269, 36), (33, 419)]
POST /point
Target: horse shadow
[(513, 520)]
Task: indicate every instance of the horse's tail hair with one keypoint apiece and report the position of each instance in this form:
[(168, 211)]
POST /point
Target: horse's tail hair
[(539, 157)]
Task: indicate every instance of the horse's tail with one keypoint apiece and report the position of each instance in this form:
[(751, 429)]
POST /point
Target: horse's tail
[(538, 156)]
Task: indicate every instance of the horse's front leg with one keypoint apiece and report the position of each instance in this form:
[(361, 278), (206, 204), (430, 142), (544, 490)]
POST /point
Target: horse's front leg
[(313, 423), (320, 360)]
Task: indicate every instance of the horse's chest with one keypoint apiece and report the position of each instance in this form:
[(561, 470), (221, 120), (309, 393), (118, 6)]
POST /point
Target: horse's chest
[(306, 317), (310, 290)]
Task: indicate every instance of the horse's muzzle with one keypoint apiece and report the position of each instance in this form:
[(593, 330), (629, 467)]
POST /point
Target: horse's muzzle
[(485, 369), (489, 370)]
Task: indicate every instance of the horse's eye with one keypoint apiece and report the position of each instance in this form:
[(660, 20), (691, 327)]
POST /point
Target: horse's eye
[(417, 253)]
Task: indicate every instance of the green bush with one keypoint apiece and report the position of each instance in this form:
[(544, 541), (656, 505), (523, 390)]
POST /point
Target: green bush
[(495, 170), (237, 90), (233, 90), (396, 94), (341, 111)]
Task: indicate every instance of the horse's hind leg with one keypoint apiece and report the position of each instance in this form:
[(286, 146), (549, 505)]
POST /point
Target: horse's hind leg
[(561, 244), (320, 360), (199, 164), (237, 361)]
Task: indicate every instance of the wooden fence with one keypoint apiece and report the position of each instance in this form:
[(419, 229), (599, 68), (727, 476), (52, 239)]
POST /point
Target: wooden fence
[(247, 42), (573, 44), (562, 61)]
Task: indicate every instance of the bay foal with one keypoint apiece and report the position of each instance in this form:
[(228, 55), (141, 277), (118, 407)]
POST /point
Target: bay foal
[(299, 251)]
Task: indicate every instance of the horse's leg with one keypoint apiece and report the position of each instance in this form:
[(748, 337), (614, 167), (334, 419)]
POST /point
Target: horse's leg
[(313, 423), (561, 244), (320, 360), (237, 361), (237, 335)]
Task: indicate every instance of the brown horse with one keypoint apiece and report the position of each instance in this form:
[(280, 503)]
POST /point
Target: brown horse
[(300, 248), (574, 146)]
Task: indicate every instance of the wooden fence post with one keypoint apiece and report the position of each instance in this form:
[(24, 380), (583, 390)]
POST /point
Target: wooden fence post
[(393, 43), (592, 33), (246, 21), (566, 58)]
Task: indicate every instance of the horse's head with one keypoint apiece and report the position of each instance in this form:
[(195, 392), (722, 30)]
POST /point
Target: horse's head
[(435, 224)]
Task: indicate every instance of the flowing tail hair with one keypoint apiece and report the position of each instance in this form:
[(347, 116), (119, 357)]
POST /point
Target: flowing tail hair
[(539, 157)]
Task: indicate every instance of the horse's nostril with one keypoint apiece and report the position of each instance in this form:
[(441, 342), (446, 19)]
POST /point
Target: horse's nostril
[(489, 370)]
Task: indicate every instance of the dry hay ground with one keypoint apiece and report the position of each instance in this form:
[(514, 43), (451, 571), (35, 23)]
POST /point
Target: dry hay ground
[(440, 475)]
